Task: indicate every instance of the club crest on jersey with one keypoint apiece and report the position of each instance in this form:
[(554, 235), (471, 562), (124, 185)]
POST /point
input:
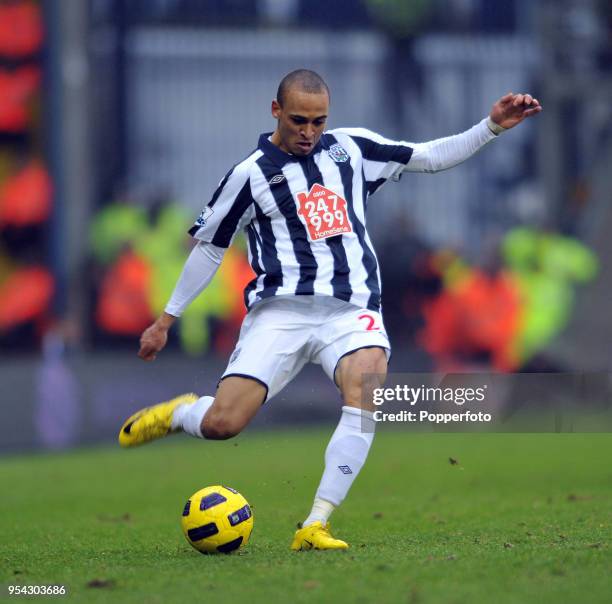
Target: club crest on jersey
[(205, 214), (338, 153)]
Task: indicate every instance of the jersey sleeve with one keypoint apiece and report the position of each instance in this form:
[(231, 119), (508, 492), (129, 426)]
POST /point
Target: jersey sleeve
[(383, 158), (444, 153), (228, 211), (198, 272)]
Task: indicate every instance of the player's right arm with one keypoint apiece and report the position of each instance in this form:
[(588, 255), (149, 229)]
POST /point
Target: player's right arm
[(198, 272), (155, 337), (225, 214)]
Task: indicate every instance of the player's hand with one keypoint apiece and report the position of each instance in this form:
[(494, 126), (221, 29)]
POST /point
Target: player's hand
[(512, 109), (155, 337)]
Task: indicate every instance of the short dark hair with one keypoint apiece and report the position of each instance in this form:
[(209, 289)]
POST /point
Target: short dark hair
[(305, 80)]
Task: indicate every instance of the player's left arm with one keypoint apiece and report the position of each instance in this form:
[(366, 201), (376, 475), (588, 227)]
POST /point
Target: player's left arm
[(443, 153), (512, 109)]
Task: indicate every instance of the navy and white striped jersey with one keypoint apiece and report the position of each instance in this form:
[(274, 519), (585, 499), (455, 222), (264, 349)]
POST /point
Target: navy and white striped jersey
[(305, 217)]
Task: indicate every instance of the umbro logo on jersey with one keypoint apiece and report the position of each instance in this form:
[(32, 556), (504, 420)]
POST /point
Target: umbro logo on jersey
[(338, 153), (277, 178)]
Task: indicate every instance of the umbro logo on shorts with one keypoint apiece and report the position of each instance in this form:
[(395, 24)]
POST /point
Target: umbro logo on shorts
[(277, 178)]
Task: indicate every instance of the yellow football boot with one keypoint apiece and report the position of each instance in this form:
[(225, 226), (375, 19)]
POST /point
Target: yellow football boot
[(316, 536), (152, 422)]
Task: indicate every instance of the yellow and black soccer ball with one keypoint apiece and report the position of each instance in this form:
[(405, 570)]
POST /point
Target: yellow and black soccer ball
[(217, 520)]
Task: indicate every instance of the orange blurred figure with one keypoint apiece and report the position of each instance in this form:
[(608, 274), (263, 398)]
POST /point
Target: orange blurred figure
[(25, 198), (123, 305), (17, 87), (24, 295), (478, 314), (21, 29)]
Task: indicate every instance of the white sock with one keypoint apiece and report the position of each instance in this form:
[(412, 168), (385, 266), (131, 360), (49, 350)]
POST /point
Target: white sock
[(321, 511), (344, 458), (188, 418)]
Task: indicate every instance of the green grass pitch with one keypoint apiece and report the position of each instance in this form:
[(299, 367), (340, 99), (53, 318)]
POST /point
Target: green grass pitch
[(517, 518)]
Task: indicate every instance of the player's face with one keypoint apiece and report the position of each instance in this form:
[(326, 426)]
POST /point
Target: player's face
[(301, 121)]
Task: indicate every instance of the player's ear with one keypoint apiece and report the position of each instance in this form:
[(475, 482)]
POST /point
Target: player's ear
[(276, 109)]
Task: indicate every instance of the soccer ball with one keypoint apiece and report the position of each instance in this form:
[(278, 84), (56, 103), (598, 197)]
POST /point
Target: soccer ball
[(217, 519)]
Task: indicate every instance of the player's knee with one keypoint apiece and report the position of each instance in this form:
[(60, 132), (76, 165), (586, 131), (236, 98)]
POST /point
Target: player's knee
[(359, 373), (217, 426), (362, 362)]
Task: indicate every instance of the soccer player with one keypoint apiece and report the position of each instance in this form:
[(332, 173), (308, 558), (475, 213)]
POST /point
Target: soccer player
[(301, 198)]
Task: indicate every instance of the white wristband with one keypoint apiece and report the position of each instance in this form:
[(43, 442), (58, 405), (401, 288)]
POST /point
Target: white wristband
[(493, 127)]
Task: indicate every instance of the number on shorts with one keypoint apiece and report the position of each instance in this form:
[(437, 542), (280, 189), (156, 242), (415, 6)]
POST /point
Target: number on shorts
[(371, 322)]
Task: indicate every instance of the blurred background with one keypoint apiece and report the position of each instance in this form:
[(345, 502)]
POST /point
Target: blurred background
[(119, 117)]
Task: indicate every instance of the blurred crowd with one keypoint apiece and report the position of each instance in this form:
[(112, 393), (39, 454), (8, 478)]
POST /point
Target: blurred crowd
[(26, 281), (500, 312), (503, 315), (137, 257)]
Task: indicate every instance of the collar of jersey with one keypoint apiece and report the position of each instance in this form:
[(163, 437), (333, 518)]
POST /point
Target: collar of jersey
[(278, 156)]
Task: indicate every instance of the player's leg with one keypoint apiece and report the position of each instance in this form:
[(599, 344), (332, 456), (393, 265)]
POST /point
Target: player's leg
[(348, 447), (237, 401), (357, 362), (220, 417), (234, 405), (359, 373), (356, 376), (350, 443), (266, 358)]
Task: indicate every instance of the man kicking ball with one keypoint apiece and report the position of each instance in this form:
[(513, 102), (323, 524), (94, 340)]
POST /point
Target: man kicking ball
[(301, 199)]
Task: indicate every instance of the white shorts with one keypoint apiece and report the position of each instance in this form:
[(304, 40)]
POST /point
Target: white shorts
[(280, 335)]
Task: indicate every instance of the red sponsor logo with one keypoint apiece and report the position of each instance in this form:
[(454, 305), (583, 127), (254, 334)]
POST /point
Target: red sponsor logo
[(323, 212)]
